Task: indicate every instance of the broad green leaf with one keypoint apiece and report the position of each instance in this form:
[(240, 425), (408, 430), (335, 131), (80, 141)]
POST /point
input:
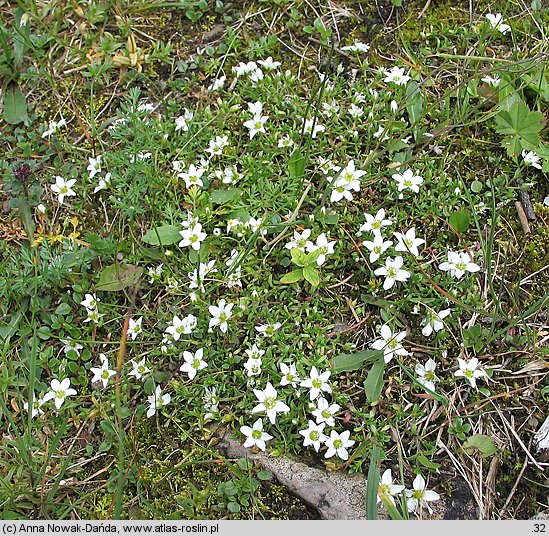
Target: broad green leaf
[(312, 256), (521, 126), (480, 443), (293, 276), (219, 197), (374, 382), (26, 217), (460, 220), (298, 257), (118, 277), (63, 309), (162, 236), (414, 102), (15, 105), (476, 186), (310, 273), (352, 362), (296, 164), (423, 460)]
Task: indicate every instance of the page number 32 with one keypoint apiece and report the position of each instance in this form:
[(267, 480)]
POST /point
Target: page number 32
[(539, 527)]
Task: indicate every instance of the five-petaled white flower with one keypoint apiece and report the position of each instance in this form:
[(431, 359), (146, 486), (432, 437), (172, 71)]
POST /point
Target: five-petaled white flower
[(181, 326), (434, 321), (377, 246), (409, 242), (268, 330), (192, 236), (220, 315), (459, 263), (396, 75), (90, 302), (393, 272), (182, 122), (193, 363), (269, 64), (59, 390), (357, 46), (469, 370), (325, 411), (317, 383), (313, 435), (94, 166), (300, 240), (36, 406), (256, 124), (390, 343), (496, 21), (289, 375), (323, 246), (407, 179), (63, 188), (338, 444), (157, 401), (419, 496), (255, 436), (375, 224), (134, 327), (71, 346), (139, 370), (531, 158), (387, 489), (426, 374), (103, 373), (193, 177), (269, 403)]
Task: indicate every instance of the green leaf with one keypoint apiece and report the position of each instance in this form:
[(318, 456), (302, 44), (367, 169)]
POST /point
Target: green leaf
[(521, 126), (63, 309), (476, 186), (118, 277), (26, 217), (296, 164), (298, 257), (15, 105), (219, 197), (312, 256), (233, 507), (414, 103), (164, 235), (480, 443), (459, 221), (310, 273), (292, 277), (352, 362), (372, 484), (264, 475), (374, 382), (427, 463)]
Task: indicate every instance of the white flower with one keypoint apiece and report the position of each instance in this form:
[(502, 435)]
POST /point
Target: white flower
[(134, 328), (357, 46), (396, 76), (300, 240), (416, 498), (375, 224), (157, 401), (325, 411), (289, 375), (330, 108), (349, 175), (267, 330), (245, 68), (94, 166), (103, 183), (59, 390), (387, 488), (140, 156), (255, 436), (139, 369), (256, 125), (496, 21), (53, 126), (493, 81), (389, 343), (268, 403), (253, 366), (269, 64), (36, 406), (377, 247), (193, 176), (180, 326), (308, 128), (199, 274), (90, 302), (393, 272), (323, 246), (193, 363), (220, 315), (254, 352), (313, 435), (71, 346), (434, 321), (102, 373), (355, 111), (531, 158), (469, 370), (459, 263), (217, 84), (63, 188), (317, 383), (285, 141), (192, 237), (426, 374), (217, 145), (409, 242), (211, 402), (182, 122), (408, 180), (338, 444), (93, 316)]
